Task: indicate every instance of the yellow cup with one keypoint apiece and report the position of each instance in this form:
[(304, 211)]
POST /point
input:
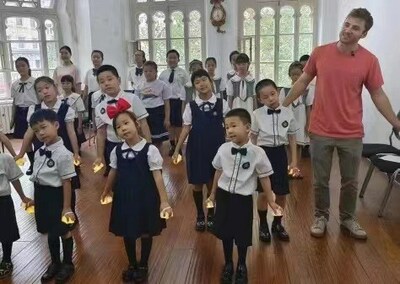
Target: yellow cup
[(108, 199)]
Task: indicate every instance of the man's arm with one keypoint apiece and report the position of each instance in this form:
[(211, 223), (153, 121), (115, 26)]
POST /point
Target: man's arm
[(382, 103), (298, 88)]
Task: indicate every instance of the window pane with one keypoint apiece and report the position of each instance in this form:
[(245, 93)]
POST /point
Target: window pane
[(12, 3), (159, 51), (267, 21), (248, 46), (194, 24), (33, 55), (49, 25), (306, 20), (305, 44), (286, 23), (267, 71), (30, 5), (249, 24), (47, 3), (283, 78), (159, 25), (52, 55), (195, 49), (179, 45), (141, 1), (286, 47), (143, 27), (3, 86), (267, 48), (144, 45), (177, 26), (21, 28)]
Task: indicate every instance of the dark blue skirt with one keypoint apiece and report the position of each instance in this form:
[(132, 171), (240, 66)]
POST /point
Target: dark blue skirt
[(9, 228), (21, 124), (176, 112), (80, 137), (156, 124)]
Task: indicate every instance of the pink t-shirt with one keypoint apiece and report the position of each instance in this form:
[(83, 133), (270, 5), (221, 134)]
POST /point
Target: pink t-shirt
[(337, 108)]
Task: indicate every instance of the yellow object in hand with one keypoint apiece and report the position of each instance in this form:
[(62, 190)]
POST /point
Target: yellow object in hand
[(67, 220), (98, 167), (209, 203), (164, 214), (106, 200), (177, 160), (77, 162), (30, 209), (20, 162)]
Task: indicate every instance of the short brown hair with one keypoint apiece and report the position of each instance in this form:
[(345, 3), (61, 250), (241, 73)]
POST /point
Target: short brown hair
[(363, 14)]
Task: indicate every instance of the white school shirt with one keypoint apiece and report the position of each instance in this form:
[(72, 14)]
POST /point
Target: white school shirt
[(181, 77), (153, 94), (75, 102), (187, 114), (230, 74), (52, 171), (243, 96), (240, 172), (26, 98), (102, 118), (222, 86), (9, 172), (97, 97), (91, 81), (69, 117), (136, 82), (153, 155), (273, 129)]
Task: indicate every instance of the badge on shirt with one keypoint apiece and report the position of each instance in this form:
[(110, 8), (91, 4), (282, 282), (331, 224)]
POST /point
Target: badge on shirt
[(215, 113), (246, 165), (50, 163), (285, 124), (103, 110)]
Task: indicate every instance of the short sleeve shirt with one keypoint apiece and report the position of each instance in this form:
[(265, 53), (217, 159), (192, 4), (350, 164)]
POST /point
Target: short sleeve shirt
[(9, 172)]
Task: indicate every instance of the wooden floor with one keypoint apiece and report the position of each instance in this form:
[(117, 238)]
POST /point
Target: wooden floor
[(181, 255)]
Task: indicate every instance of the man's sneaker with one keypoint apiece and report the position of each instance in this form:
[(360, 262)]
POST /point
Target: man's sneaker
[(319, 227), (354, 229), (6, 269)]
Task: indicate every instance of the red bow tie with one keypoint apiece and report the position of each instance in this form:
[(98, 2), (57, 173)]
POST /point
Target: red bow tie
[(120, 106)]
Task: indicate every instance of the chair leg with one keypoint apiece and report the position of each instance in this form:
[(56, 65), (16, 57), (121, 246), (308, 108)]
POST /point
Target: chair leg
[(366, 180), (387, 194)]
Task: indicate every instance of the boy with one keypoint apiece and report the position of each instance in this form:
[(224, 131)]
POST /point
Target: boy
[(237, 165)]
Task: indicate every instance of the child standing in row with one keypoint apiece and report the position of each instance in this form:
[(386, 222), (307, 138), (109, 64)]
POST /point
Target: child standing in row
[(136, 76), (190, 91), (232, 59), (203, 122), (52, 173), (139, 193), (218, 83), (237, 165), (9, 173), (176, 78), (273, 127)]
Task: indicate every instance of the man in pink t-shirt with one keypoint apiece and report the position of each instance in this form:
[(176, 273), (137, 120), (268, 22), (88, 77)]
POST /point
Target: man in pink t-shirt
[(342, 69)]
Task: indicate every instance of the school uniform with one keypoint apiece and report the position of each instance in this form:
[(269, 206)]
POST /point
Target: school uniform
[(9, 172), (240, 166), (298, 107), (96, 98), (53, 164), (242, 91), (102, 118), (136, 78), (136, 202), (273, 128), (230, 74), (75, 101), (176, 78), (153, 94), (219, 87), (24, 95), (91, 82), (207, 133)]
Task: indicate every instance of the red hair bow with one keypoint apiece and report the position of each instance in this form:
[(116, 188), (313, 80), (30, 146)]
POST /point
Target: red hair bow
[(120, 106)]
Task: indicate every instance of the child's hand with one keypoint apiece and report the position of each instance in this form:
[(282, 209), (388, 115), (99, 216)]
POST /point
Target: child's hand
[(176, 157), (105, 197), (276, 209), (166, 210), (17, 157), (68, 217), (77, 160), (28, 202), (210, 202), (98, 161)]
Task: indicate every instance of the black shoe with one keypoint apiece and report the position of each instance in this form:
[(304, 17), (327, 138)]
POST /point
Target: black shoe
[(200, 224), (65, 273), (6, 269), (263, 234), (140, 274), (29, 171), (241, 274), (278, 230), (227, 273), (210, 223), (128, 274), (51, 272)]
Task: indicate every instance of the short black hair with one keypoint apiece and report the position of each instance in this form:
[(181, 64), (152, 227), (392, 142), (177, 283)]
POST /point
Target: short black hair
[(241, 113), (99, 52), (304, 57), (212, 59), (232, 54), (45, 79), (43, 115), (104, 68), (150, 64), (265, 83), (67, 48), (173, 51), (295, 65), (242, 58), (198, 74)]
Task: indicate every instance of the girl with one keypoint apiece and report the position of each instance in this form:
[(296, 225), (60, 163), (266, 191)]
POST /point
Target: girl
[(240, 88), (75, 101), (155, 96), (135, 75), (232, 59), (24, 95), (301, 108), (9, 172), (191, 93), (203, 122), (66, 68), (218, 83), (139, 192), (91, 84)]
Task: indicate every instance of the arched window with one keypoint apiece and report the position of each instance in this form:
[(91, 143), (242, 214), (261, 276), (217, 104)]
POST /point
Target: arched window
[(34, 37), (274, 34)]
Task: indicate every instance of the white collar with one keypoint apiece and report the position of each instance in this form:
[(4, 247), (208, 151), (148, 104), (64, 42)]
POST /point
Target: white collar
[(137, 147), (55, 145), (237, 78), (212, 100), (246, 145), (56, 105), (117, 97)]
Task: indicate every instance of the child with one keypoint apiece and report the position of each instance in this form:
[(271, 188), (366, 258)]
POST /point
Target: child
[(9, 172), (218, 83), (135, 75), (273, 125), (139, 193), (191, 93), (240, 88), (232, 59), (237, 165), (47, 90), (175, 77), (75, 101), (110, 82), (203, 122), (155, 96), (24, 95), (301, 108), (52, 173)]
